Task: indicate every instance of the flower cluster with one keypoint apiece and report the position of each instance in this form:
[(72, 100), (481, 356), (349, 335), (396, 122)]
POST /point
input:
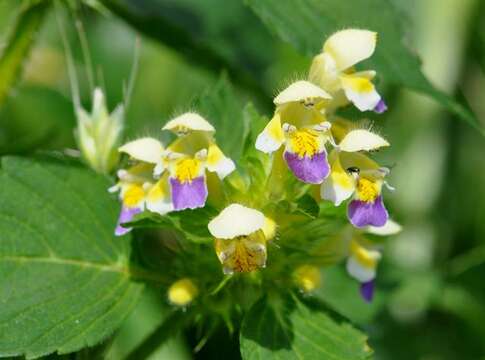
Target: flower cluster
[(321, 150), (173, 178)]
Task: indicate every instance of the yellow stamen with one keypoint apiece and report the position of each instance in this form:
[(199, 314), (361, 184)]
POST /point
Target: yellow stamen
[(304, 142), (367, 190), (133, 195), (187, 169)]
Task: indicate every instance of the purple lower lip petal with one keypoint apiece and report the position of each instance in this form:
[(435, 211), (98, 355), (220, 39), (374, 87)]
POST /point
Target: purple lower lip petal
[(380, 107), (309, 169), (367, 290), (190, 194), (361, 213), (126, 215)]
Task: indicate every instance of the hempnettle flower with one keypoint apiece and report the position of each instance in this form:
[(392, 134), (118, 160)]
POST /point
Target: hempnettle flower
[(300, 124), (362, 265), (139, 190), (363, 260), (174, 178), (240, 239), (353, 173), (333, 69), (189, 157)]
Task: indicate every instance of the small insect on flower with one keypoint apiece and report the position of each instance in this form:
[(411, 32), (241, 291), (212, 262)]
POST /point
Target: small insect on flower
[(139, 190), (355, 174), (308, 278), (182, 292), (299, 123), (362, 261), (188, 158), (240, 240), (99, 133), (333, 69)]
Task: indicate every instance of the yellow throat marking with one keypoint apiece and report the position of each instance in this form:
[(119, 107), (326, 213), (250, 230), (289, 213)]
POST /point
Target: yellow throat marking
[(304, 142), (363, 256), (187, 170), (359, 84), (367, 190), (133, 195)]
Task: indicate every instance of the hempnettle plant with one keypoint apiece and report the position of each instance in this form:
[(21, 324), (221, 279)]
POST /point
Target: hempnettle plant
[(216, 231), (275, 217)]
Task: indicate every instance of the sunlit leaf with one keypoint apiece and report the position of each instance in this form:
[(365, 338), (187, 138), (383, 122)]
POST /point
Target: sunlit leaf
[(294, 331), (64, 278)]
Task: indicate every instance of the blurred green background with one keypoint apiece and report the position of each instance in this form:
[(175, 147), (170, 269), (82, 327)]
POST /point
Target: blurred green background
[(431, 302)]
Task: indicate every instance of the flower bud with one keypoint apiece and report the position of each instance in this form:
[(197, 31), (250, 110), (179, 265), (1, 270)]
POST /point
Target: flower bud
[(182, 292), (307, 278), (98, 134)]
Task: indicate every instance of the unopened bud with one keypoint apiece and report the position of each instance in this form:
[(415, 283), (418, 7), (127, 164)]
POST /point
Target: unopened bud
[(307, 278), (99, 134), (182, 292)]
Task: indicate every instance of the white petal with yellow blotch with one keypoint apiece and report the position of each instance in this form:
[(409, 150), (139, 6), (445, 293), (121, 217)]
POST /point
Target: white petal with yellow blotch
[(339, 185), (360, 273), (350, 46), (360, 91), (272, 137), (362, 263), (236, 220), (217, 162), (158, 197), (361, 140), (146, 149), (188, 122)]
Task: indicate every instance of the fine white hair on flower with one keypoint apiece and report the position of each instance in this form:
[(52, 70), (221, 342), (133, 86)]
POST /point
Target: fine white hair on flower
[(145, 149), (361, 140), (189, 121), (299, 91), (236, 220)]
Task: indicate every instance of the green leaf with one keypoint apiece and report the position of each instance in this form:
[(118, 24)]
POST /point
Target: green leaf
[(308, 23), (341, 293), (205, 34), (20, 40), (293, 331), (64, 278), (36, 118), (222, 107), (191, 223), (308, 206)]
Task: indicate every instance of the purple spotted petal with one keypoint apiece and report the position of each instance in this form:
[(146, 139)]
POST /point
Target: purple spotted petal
[(188, 195), (362, 213), (367, 290), (126, 215), (380, 107), (309, 169)]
